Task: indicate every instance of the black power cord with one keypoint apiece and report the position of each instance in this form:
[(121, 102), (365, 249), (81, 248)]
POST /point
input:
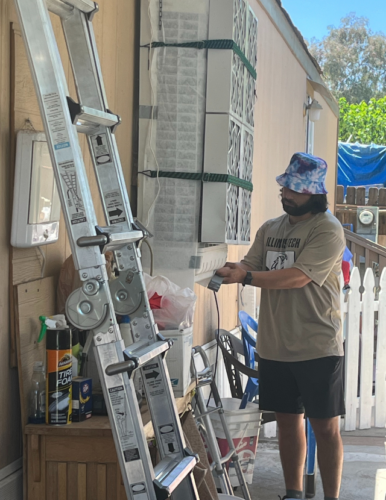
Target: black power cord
[(217, 349)]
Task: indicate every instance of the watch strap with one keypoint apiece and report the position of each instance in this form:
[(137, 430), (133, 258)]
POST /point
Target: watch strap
[(248, 278)]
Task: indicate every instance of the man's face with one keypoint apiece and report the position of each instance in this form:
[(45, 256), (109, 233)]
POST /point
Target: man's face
[(295, 204)]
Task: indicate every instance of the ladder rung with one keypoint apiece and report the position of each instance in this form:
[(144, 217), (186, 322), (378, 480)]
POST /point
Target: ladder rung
[(94, 116), (228, 456), (209, 412), (139, 357), (117, 241), (99, 240), (83, 115), (204, 382), (61, 7), (110, 241), (116, 368), (207, 372), (117, 236), (170, 473), (145, 354), (86, 6)]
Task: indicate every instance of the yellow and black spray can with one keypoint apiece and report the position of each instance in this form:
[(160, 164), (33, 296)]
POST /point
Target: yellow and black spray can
[(59, 377)]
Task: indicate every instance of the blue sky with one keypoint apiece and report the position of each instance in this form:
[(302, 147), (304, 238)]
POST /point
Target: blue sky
[(312, 17)]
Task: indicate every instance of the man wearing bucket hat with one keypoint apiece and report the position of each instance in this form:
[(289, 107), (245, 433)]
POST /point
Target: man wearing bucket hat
[(296, 261)]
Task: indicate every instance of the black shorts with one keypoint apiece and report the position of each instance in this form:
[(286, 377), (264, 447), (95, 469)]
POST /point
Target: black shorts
[(314, 387)]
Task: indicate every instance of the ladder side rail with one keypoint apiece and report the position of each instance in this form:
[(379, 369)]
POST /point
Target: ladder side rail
[(51, 90), (80, 39), (212, 444), (123, 410)]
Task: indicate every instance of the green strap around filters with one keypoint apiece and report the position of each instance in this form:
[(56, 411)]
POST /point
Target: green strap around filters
[(213, 44), (204, 177)]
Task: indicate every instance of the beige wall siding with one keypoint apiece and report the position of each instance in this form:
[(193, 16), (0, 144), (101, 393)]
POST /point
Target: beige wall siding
[(325, 145)]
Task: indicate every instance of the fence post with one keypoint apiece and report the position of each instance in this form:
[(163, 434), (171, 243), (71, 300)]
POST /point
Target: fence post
[(380, 373), (361, 196), (367, 351), (352, 351), (340, 195), (342, 300), (351, 195)]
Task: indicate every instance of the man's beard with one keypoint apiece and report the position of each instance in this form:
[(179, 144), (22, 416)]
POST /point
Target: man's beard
[(297, 211)]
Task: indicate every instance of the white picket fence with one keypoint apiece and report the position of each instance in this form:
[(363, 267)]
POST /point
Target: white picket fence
[(364, 319), (365, 352)]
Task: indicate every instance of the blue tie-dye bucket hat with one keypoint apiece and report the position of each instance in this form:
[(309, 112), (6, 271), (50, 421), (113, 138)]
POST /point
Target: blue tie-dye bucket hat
[(305, 174)]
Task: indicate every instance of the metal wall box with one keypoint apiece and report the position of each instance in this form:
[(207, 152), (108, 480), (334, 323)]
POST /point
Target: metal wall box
[(367, 222)]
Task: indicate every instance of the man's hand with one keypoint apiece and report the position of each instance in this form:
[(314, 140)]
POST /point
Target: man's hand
[(232, 273), (282, 279)]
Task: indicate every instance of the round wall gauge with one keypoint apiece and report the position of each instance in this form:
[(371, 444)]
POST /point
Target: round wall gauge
[(366, 217)]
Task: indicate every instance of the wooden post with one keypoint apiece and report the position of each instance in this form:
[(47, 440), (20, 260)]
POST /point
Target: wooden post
[(339, 195), (382, 224), (361, 196), (373, 197), (382, 198), (351, 195)]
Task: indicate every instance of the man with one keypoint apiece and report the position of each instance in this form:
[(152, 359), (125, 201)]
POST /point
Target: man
[(296, 261)]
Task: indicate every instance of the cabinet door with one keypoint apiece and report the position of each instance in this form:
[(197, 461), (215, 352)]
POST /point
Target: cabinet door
[(73, 468)]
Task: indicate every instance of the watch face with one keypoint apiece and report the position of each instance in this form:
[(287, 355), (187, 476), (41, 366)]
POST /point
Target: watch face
[(366, 217)]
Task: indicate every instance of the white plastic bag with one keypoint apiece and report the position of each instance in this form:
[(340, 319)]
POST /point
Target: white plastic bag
[(177, 304)]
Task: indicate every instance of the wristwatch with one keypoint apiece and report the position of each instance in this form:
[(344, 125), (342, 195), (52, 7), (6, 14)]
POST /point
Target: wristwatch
[(248, 278)]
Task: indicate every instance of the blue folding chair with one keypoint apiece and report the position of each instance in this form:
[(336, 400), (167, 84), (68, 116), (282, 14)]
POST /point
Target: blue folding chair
[(249, 343), (252, 390)]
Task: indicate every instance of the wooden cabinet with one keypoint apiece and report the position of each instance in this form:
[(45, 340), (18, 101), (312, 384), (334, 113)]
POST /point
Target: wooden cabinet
[(79, 461), (74, 462)]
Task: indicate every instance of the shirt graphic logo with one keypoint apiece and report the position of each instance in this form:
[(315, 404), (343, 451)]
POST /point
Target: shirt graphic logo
[(279, 260), (283, 243)]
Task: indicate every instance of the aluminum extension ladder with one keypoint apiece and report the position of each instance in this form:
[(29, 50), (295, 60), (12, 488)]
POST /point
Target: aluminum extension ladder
[(93, 306)]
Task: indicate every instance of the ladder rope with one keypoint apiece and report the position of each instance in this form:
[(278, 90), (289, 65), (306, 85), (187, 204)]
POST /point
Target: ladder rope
[(200, 176), (222, 44)]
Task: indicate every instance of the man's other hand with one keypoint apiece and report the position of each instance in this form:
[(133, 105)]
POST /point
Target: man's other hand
[(232, 273)]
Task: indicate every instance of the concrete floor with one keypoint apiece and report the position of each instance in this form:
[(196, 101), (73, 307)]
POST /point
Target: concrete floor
[(364, 454)]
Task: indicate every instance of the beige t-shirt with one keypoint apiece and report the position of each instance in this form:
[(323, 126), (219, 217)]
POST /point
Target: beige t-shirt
[(300, 324)]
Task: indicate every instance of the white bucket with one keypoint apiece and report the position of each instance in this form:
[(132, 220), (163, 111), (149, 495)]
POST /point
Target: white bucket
[(178, 359), (244, 428)]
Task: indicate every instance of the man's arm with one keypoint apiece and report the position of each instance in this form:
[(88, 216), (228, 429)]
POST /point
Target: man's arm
[(245, 266), (283, 279)]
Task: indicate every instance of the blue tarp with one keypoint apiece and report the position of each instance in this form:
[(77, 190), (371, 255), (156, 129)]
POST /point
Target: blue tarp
[(361, 165)]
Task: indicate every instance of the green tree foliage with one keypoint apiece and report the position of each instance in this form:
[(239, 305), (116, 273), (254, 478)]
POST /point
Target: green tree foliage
[(363, 123), (353, 60)]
